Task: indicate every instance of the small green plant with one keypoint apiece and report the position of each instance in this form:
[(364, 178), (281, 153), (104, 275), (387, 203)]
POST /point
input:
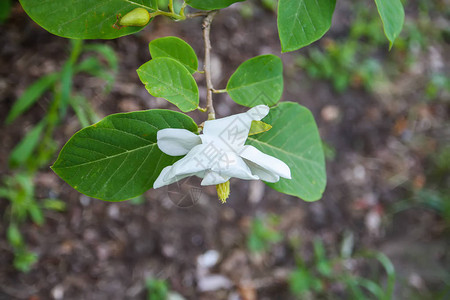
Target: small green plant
[(313, 278), (37, 148), (156, 289), (263, 233), (19, 191), (355, 60), (435, 194)]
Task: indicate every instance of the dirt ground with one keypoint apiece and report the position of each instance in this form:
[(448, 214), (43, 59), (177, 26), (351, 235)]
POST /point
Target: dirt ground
[(98, 250)]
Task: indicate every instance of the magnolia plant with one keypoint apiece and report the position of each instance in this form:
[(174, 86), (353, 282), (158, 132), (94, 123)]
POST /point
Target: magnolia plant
[(125, 154)]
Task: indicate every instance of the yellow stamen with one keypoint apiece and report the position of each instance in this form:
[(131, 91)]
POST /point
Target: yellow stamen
[(223, 191)]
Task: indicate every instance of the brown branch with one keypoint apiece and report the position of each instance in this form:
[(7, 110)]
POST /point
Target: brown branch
[(206, 26), (197, 14)]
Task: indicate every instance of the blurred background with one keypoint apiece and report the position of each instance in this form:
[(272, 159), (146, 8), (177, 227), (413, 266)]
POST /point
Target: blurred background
[(381, 231)]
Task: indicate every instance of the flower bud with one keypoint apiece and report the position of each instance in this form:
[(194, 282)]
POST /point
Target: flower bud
[(136, 17), (223, 191)]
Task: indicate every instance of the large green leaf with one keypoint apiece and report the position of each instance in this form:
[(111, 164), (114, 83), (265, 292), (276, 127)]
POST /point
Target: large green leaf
[(84, 19), (294, 138), (211, 4), (393, 16), (258, 80), (301, 22), (175, 48), (118, 158), (167, 78)]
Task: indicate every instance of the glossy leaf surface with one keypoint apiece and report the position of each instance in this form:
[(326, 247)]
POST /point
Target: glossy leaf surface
[(258, 80), (301, 22), (177, 49), (393, 17), (167, 78), (118, 158), (84, 19)]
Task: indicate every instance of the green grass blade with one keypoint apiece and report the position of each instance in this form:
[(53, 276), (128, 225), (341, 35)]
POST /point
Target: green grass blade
[(22, 152), (31, 95)]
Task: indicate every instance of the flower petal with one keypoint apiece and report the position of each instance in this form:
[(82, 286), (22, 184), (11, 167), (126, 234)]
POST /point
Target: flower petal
[(233, 130), (230, 164), (192, 163), (258, 112), (269, 163), (213, 178), (166, 178), (176, 142), (262, 173)]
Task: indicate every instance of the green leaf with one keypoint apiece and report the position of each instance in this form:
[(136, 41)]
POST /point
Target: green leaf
[(107, 52), (323, 265), (31, 95), (261, 236), (156, 289), (259, 127), (84, 19), (77, 104), (20, 154), (211, 4), (177, 49), (258, 80), (35, 213), (94, 67), (14, 236), (371, 286), (65, 88), (118, 158), (390, 271), (167, 78), (393, 16), (301, 22), (294, 138), (79, 111), (300, 281), (24, 260)]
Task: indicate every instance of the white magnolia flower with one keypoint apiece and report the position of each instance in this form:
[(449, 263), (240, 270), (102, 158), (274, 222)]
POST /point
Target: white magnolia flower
[(219, 153)]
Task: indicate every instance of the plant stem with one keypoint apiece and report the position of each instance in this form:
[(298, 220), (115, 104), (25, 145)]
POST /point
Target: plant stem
[(206, 26), (197, 14), (183, 7), (171, 6), (168, 14)]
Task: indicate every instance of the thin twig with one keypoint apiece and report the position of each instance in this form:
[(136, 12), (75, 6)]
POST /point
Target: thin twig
[(197, 14), (206, 26)]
